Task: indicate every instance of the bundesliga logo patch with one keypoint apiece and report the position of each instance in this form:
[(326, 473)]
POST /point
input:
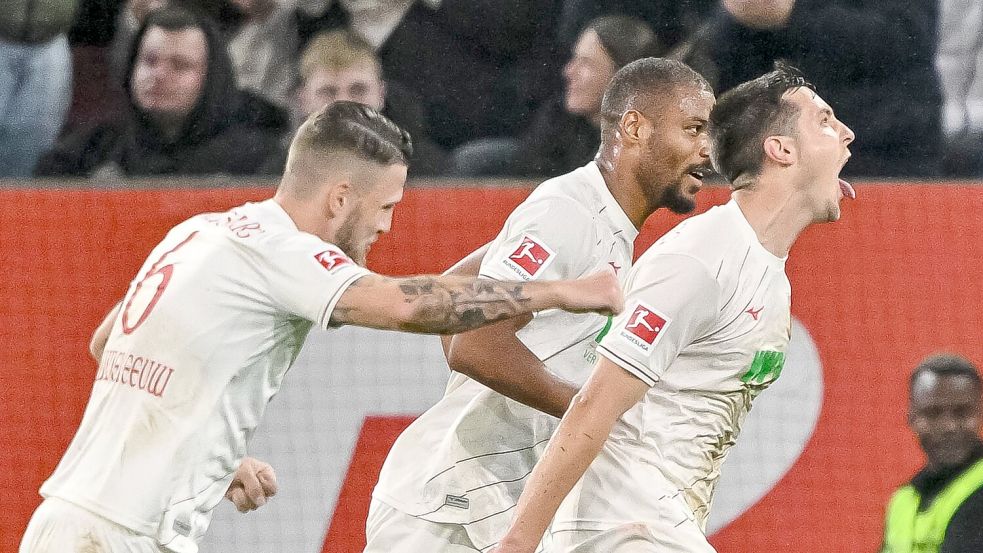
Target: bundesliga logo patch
[(331, 259), (529, 258), (644, 327)]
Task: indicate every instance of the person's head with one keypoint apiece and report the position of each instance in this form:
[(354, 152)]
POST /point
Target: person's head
[(653, 119), (944, 408), (345, 172), (339, 66), (170, 65), (606, 44), (777, 124)]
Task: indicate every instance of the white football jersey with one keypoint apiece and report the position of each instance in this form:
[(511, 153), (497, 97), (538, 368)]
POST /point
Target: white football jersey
[(466, 459), (706, 324), (209, 326)]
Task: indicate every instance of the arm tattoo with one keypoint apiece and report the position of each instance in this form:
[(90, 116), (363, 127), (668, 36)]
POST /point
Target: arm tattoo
[(457, 307)]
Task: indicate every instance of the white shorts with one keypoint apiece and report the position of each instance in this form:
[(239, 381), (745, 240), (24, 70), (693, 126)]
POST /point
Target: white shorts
[(59, 527), (634, 537), (388, 530)]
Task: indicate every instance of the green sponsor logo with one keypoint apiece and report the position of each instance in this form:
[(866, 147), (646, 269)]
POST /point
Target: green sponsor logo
[(766, 367)]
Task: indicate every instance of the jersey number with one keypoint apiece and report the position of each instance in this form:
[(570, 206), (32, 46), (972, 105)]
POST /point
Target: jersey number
[(165, 272)]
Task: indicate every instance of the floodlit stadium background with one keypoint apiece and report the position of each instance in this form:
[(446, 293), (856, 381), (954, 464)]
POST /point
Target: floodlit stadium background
[(896, 279)]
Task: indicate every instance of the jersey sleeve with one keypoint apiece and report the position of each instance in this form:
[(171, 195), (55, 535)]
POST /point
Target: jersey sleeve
[(547, 239), (308, 276), (671, 302)]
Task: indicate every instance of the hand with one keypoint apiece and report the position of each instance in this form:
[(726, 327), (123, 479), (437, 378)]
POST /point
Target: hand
[(253, 483), (599, 292), (760, 14)]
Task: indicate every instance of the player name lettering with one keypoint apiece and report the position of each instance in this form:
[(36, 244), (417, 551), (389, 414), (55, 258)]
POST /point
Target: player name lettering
[(142, 373), (239, 224)]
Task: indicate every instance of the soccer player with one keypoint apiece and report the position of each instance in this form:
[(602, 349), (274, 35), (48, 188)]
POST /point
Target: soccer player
[(218, 313), (706, 326), (454, 475)]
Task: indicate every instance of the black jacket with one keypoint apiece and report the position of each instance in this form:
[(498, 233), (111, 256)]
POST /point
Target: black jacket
[(223, 134), (557, 142), (872, 60)]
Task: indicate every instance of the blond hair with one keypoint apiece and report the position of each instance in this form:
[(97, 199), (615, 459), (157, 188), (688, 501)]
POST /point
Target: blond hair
[(335, 50)]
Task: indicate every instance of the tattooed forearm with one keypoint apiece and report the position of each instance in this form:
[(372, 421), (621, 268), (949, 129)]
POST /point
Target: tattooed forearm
[(451, 307)]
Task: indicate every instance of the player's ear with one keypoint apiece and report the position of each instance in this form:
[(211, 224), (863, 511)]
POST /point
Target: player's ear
[(631, 126), (338, 197), (781, 150)]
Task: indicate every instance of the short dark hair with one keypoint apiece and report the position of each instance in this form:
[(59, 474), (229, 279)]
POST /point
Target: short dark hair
[(625, 38), (357, 129), (747, 114), (639, 82), (946, 364)]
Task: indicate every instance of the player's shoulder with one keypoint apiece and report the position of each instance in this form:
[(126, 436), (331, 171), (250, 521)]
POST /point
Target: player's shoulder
[(263, 227), (576, 189), (709, 238)]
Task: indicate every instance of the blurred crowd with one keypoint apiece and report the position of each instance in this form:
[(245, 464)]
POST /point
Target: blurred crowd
[(127, 88)]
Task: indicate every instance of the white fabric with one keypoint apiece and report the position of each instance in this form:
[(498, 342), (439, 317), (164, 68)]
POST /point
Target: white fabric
[(263, 54), (390, 531), (209, 327), (960, 64), (60, 527), (722, 299), (465, 460)]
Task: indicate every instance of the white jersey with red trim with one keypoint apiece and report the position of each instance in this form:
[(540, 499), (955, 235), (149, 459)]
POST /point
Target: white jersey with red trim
[(466, 459), (209, 326), (706, 324)]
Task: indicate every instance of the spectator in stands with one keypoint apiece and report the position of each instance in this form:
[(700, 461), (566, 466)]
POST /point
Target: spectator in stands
[(480, 66), (339, 65), (960, 65), (565, 132), (35, 80), (874, 60), (264, 49), (183, 115), (940, 510)]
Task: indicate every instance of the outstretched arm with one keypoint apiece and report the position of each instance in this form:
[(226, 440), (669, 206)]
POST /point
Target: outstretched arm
[(470, 265), (450, 304), (608, 393)]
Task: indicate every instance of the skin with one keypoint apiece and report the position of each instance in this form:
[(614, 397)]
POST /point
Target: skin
[(169, 75), (760, 14), (587, 75), (361, 82), (793, 190), (944, 413), (645, 163)]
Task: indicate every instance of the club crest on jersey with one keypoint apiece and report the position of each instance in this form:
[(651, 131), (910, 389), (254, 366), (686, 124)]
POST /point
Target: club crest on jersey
[(643, 328), (531, 257), (332, 259)]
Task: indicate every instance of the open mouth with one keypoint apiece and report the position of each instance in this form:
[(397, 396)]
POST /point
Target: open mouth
[(699, 174)]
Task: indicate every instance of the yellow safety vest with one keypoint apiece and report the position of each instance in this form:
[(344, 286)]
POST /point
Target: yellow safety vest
[(908, 530)]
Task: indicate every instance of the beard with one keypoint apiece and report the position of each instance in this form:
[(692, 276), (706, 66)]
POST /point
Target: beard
[(676, 201), (345, 239)]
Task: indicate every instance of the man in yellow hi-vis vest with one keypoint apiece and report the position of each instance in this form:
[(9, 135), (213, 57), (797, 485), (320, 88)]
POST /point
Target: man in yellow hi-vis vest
[(941, 509)]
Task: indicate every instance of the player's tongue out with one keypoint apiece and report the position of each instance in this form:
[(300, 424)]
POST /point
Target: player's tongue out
[(847, 189)]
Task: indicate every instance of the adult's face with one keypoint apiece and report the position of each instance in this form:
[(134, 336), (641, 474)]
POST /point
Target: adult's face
[(361, 82), (944, 412), (677, 149), (823, 143), (371, 214), (587, 75), (169, 72)]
